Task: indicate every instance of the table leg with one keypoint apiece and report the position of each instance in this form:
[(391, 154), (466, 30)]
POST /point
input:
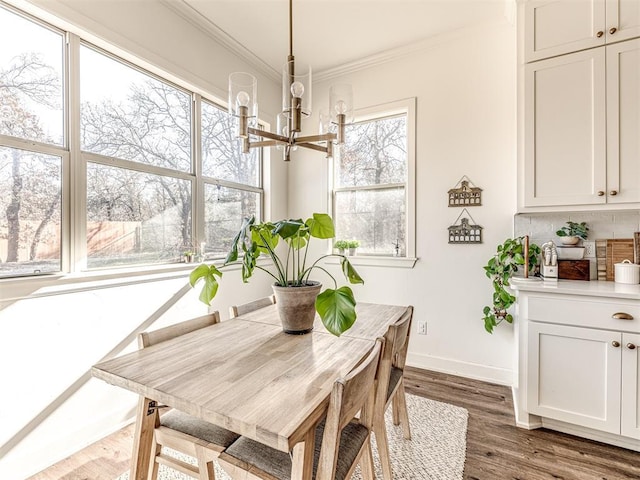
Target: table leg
[(146, 419), (302, 461)]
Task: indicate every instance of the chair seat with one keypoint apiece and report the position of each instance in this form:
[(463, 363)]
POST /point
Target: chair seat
[(394, 378), (182, 422), (278, 464)]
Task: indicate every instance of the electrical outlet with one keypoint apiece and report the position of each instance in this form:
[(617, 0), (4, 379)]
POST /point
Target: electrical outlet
[(422, 327), (589, 249)]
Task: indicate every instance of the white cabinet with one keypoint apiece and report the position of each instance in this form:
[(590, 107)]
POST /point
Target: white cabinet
[(579, 360), (581, 127), (630, 385), (575, 375), (556, 27)]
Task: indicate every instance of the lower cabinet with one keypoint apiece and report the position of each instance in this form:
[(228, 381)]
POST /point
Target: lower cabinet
[(579, 367), (630, 385)]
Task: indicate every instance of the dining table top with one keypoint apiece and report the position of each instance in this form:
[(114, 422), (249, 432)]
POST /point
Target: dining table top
[(247, 375)]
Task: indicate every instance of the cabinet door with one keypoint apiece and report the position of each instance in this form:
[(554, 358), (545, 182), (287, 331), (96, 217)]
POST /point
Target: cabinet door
[(565, 135), (555, 27), (623, 122), (574, 375), (623, 20), (630, 424)]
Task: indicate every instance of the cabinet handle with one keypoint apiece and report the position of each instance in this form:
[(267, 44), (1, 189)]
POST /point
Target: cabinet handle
[(613, 30), (631, 346), (622, 316), (615, 343), (599, 34), (600, 193), (613, 193)]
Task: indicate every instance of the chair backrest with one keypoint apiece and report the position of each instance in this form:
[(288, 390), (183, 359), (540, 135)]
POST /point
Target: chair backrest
[(399, 334), (352, 394), (236, 310), (146, 339), (394, 354)]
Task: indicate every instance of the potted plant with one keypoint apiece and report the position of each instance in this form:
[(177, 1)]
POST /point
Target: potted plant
[(188, 256), (341, 246), (336, 306), (508, 258), (352, 245), (573, 232)]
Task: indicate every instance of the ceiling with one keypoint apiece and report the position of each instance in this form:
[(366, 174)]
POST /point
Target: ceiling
[(329, 34)]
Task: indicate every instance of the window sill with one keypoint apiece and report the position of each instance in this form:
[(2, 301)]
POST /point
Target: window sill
[(374, 261), (17, 288)]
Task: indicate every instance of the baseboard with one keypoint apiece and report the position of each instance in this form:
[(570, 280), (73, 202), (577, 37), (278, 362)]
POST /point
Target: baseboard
[(475, 371)]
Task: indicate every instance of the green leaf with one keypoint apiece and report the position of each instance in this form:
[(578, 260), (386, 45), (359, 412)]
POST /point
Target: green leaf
[(264, 238), (350, 272), (297, 242), (321, 226), (287, 228), (337, 309), (240, 237), (210, 287)]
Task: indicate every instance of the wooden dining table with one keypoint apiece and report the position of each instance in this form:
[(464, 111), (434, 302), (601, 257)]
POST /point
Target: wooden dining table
[(248, 376)]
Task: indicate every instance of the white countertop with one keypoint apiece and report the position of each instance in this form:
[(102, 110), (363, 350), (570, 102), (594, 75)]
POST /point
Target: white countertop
[(579, 287)]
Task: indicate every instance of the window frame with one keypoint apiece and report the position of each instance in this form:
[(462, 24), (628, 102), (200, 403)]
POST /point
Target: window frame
[(73, 249), (378, 112)]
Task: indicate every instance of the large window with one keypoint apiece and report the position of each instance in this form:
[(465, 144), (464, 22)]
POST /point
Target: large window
[(124, 184), (372, 195)]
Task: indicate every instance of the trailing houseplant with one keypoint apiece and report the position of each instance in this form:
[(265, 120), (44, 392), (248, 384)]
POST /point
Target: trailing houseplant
[(500, 268), (289, 268)]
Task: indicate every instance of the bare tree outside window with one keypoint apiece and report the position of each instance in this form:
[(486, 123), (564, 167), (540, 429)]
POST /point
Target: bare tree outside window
[(30, 180), (370, 186)]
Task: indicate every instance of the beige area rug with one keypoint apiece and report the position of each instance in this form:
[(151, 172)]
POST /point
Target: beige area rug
[(436, 450)]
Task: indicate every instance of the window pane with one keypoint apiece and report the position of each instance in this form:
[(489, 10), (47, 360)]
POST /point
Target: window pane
[(224, 210), (221, 157), (376, 218), (127, 114), (31, 59), (30, 212), (374, 153), (135, 218)]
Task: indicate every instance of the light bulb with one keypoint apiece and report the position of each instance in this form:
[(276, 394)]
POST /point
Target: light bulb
[(243, 98), (341, 107), (297, 89)]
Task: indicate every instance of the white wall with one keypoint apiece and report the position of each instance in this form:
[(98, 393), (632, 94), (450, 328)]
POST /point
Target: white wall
[(465, 87), (53, 330)]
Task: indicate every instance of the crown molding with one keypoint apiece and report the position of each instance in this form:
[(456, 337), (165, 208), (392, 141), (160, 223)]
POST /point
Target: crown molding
[(188, 13), (401, 52)]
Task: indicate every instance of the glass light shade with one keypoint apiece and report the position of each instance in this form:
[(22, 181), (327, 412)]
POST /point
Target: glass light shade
[(243, 92), (296, 81), (341, 102), (324, 122)]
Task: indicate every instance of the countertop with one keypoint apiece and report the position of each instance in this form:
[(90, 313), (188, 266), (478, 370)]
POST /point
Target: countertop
[(592, 288)]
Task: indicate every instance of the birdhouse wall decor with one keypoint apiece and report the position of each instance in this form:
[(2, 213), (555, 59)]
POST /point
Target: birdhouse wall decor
[(465, 194), (467, 231)]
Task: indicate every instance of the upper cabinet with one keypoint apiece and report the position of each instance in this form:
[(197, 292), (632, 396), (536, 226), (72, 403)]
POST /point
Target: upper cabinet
[(582, 118), (556, 27), (581, 114)]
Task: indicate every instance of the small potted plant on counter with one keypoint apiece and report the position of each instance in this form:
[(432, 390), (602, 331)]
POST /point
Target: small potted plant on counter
[(573, 232)]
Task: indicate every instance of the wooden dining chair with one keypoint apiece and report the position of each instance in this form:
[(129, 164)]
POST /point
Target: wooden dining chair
[(341, 441), (236, 310), (179, 431), (390, 389)]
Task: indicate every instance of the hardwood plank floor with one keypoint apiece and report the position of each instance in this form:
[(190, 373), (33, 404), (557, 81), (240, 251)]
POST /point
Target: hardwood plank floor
[(496, 449)]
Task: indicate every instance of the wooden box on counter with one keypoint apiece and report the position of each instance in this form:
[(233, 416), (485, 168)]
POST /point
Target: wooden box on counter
[(574, 269)]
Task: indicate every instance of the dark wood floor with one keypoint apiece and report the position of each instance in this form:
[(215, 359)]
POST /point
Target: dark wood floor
[(496, 449)]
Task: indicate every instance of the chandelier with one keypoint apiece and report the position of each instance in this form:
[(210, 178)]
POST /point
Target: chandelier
[(296, 103)]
